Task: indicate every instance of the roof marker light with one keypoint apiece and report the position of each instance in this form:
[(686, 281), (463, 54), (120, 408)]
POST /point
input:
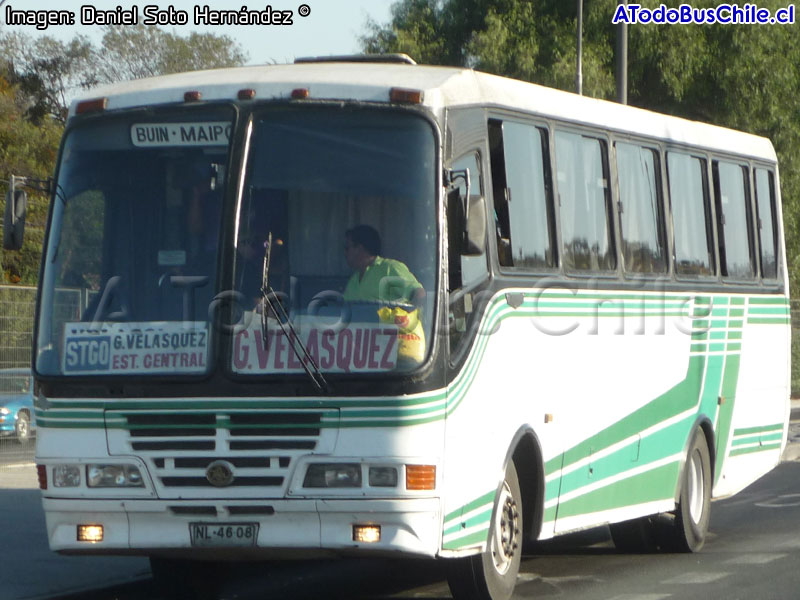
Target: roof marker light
[(246, 94), (93, 105), (192, 96), (299, 93), (404, 96)]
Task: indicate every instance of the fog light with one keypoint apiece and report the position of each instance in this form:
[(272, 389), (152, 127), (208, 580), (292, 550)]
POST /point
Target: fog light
[(90, 533), (382, 477), (113, 476), (333, 475), (368, 534), (66, 476)]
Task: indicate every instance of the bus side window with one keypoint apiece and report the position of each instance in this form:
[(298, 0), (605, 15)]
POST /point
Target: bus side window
[(522, 195), (584, 198), (733, 220), (640, 210), (466, 272), (691, 214), (766, 223)]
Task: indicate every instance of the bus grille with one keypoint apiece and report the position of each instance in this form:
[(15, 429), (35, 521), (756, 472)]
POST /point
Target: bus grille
[(260, 445)]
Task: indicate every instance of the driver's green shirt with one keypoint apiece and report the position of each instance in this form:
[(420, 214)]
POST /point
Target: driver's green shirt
[(385, 280)]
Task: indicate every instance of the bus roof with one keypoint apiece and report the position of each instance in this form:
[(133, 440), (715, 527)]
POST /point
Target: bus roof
[(442, 87)]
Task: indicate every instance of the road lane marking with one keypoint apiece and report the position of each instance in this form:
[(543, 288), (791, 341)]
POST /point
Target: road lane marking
[(782, 501), (695, 578), (754, 559)]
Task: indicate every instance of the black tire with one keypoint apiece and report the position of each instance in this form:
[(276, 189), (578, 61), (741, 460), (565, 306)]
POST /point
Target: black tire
[(22, 428), (635, 536), (689, 529), (492, 574)]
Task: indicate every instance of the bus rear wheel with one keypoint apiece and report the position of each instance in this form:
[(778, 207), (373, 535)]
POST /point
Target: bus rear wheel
[(694, 507), (492, 574)]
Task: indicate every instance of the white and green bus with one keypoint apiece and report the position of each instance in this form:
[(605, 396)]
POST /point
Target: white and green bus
[(602, 338)]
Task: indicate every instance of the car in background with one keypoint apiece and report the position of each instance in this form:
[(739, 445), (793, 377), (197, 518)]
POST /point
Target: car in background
[(17, 418)]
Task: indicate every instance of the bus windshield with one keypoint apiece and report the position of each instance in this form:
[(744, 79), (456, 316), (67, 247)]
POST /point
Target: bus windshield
[(347, 198), (131, 260)]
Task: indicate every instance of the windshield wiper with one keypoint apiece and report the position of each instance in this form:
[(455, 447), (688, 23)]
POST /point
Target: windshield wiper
[(277, 309)]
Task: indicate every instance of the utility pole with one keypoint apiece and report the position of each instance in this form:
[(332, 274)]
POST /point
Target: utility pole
[(579, 66), (622, 59)]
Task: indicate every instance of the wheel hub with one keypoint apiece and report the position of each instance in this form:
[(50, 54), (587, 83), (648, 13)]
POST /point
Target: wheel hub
[(505, 541)]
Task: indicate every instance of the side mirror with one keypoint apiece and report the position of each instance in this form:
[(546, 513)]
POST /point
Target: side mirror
[(466, 218), (14, 223), (475, 227)]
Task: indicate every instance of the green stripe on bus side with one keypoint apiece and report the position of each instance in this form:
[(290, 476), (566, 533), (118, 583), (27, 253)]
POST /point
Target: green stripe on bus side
[(480, 519), (760, 429), (473, 539), (607, 303), (757, 439), (659, 446), (651, 298), (769, 300), (752, 449), (743, 441), (638, 489), (783, 311), (68, 414), (238, 404), (786, 321), (470, 506)]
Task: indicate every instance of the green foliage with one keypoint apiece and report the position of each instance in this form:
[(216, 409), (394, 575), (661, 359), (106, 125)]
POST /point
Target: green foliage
[(132, 52), (45, 71), (29, 150)]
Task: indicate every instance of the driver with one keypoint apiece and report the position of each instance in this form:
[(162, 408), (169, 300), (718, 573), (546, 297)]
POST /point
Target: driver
[(375, 278)]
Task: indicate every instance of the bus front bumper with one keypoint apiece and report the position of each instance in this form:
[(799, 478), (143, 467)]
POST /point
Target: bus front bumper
[(286, 528)]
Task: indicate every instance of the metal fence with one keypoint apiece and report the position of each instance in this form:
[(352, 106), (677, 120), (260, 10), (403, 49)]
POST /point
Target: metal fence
[(16, 320)]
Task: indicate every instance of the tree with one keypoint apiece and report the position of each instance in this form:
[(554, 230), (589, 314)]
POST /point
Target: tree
[(29, 150), (46, 72), (134, 52)]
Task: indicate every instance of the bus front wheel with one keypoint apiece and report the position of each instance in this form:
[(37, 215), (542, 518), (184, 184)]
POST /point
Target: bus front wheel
[(492, 574)]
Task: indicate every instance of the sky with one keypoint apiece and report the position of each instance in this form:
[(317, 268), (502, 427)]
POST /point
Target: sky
[(332, 27)]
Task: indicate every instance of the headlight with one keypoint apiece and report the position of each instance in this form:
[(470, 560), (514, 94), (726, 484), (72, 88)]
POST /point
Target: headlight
[(333, 475), (383, 477), (4, 411), (113, 476), (66, 476)]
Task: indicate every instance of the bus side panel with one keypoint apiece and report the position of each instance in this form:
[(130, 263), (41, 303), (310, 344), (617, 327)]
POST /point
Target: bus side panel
[(612, 370), (752, 421)]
